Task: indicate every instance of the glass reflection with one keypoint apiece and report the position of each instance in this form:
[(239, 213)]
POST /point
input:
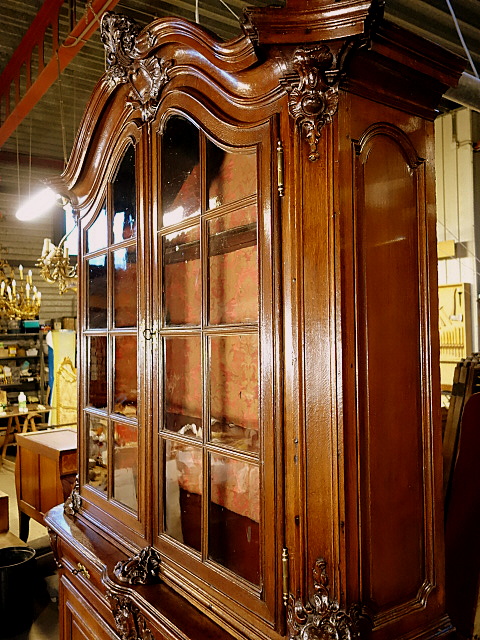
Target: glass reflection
[(125, 465), (97, 236), (98, 453), (125, 382), (183, 385), (234, 391), (97, 292), (125, 287), (180, 185), (183, 493), (230, 176), (182, 277), (233, 268), (97, 370), (234, 514), (124, 204)]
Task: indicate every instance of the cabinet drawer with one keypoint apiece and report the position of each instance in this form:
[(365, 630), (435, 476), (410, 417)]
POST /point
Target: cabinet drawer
[(81, 571), (79, 620)]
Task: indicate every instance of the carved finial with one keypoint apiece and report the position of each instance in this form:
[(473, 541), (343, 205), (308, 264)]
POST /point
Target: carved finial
[(118, 34), (73, 503), (322, 618), (312, 89), (146, 75), (142, 568)]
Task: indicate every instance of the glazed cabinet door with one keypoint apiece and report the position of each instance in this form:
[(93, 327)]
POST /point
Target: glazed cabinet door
[(217, 522), (111, 350)]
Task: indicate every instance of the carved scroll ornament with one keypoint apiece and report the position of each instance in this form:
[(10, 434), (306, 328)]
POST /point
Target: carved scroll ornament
[(73, 503), (312, 89), (322, 618), (130, 623), (142, 568), (146, 76)]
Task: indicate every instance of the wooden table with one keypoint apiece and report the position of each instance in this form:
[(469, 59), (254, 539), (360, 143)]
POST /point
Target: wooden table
[(21, 421), (45, 472)]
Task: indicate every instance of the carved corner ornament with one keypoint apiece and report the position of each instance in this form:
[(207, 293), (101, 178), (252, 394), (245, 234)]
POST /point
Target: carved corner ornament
[(312, 88), (73, 503), (125, 64), (142, 568), (130, 623), (54, 545), (322, 618)]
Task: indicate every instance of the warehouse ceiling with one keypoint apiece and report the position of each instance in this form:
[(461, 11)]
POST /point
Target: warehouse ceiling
[(37, 135)]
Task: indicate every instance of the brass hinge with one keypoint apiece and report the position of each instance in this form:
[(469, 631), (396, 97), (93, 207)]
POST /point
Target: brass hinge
[(285, 575), (280, 183)]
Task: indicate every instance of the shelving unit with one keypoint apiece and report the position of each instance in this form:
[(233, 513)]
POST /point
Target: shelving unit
[(33, 385)]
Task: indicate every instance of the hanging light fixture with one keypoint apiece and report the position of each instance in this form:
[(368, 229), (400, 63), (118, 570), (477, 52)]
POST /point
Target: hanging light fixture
[(54, 263), (19, 298)]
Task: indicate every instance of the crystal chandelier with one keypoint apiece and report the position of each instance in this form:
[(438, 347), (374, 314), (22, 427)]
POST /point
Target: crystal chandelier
[(55, 265), (19, 299)]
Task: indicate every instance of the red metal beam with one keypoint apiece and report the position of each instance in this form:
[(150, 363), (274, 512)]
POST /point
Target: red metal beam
[(47, 73)]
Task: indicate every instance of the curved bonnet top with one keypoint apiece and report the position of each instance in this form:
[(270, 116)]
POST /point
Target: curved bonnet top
[(139, 65)]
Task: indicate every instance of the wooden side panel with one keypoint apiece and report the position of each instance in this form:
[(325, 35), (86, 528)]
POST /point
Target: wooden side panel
[(51, 492), (29, 485), (389, 369)]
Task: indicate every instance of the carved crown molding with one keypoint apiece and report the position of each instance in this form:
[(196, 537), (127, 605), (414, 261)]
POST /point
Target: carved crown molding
[(312, 88), (73, 503), (142, 568), (322, 618), (130, 623), (146, 75)]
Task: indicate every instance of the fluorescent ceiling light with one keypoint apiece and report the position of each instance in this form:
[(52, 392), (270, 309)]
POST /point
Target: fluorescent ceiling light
[(38, 205)]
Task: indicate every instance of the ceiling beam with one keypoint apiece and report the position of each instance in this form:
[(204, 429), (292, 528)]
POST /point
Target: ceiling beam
[(9, 157), (21, 61)]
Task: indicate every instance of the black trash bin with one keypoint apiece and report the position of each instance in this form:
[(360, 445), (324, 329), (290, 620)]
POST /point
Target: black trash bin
[(17, 584)]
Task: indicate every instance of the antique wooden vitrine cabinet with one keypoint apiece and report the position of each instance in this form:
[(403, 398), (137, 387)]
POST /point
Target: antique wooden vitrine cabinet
[(259, 396)]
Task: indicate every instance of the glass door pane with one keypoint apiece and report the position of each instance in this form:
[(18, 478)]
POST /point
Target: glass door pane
[(209, 282), (111, 342), (234, 514), (125, 287)]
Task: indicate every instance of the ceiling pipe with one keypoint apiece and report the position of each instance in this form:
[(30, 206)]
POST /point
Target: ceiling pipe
[(466, 93)]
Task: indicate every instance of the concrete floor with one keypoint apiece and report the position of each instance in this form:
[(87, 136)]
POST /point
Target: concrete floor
[(45, 607)]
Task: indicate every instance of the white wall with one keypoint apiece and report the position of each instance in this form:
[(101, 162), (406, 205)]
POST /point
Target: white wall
[(457, 179)]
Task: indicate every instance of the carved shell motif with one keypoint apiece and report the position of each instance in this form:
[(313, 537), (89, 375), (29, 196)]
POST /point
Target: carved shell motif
[(322, 618), (312, 89), (147, 76)]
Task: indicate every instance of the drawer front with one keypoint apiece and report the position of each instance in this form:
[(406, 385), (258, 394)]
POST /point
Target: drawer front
[(83, 573), (78, 617), (68, 463)]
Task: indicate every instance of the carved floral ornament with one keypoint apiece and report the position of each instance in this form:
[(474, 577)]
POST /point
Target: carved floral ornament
[(322, 618), (142, 568), (146, 76), (130, 623), (73, 503), (312, 88)]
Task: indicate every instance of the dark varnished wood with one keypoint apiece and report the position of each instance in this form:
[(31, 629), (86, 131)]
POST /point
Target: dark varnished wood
[(350, 448)]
